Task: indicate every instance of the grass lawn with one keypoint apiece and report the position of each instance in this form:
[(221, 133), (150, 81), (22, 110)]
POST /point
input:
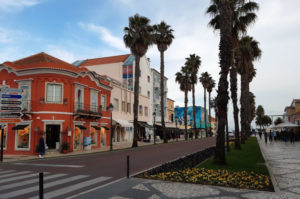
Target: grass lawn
[(248, 159)]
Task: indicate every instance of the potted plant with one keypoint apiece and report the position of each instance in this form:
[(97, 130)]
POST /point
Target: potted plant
[(65, 147)]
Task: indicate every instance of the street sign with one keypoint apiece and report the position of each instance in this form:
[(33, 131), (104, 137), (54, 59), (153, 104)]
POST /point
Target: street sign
[(12, 102), (10, 90), (11, 96), (10, 115), (10, 120), (10, 108)]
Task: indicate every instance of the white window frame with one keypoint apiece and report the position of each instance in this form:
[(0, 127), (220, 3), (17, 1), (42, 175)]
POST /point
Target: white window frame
[(62, 93), (103, 107), (94, 106), (29, 138), (116, 108)]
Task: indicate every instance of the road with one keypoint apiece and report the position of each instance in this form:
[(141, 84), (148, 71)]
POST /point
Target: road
[(69, 176)]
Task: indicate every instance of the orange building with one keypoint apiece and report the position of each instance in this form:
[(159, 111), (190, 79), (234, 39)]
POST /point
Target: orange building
[(292, 112), (64, 102)]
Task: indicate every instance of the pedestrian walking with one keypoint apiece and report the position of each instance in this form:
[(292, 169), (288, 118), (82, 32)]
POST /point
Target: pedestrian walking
[(42, 148), (266, 137)]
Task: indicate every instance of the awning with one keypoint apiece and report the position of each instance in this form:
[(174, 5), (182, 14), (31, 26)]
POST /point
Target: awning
[(106, 128), (145, 124), (81, 127), (123, 123), (96, 127), (19, 127)]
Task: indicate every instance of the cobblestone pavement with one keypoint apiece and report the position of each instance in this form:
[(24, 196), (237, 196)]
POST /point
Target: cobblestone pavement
[(282, 159)]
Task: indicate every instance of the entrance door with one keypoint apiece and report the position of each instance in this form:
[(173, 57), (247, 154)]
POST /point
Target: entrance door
[(52, 135)]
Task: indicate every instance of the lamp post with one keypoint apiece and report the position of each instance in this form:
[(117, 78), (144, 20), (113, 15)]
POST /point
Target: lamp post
[(154, 114), (110, 108), (176, 118)]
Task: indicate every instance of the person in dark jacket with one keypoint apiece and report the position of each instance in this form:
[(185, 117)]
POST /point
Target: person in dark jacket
[(42, 146)]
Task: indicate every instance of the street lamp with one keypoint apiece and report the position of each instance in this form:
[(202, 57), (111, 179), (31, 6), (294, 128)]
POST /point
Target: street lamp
[(176, 118), (154, 114), (110, 108)]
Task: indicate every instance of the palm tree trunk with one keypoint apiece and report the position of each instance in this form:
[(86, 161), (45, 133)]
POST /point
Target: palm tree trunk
[(136, 100), (225, 46), (162, 95), (247, 109), (233, 87), (185, 113), (209, 114), (194, 111), (243, 107), (205, 115)]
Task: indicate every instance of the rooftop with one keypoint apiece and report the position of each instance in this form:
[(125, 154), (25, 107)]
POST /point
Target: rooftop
[(104, 60), (42, 60)]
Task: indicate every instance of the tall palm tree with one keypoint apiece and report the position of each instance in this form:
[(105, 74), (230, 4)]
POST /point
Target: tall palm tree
[(251, 107), (163, 37), (138, 37), (193, 62), (225, 8), (243, 16), (248, 52), (184, 79), (211, 85), (205, 80)]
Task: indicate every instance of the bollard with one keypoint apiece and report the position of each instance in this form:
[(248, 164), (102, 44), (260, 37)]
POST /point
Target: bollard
[(41, 183), (127, 166)]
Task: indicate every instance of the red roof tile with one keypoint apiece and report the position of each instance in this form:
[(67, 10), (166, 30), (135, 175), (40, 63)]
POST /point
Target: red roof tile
[(297, 100), (105, 60), (42, 60)]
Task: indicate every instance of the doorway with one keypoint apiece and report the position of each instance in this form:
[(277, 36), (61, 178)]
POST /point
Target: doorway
[(52, 136)]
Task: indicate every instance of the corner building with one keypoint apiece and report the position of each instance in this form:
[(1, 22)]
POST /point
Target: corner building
[(66, 103)]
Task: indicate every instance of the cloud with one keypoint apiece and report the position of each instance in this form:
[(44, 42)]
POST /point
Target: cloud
[(61, 53), (104, 35), (10, 5)]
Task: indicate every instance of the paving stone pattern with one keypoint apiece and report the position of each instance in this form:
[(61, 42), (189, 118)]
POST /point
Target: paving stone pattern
[(282, 159)]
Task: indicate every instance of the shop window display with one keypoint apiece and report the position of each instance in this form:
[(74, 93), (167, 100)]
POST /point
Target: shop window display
[(22, 138)]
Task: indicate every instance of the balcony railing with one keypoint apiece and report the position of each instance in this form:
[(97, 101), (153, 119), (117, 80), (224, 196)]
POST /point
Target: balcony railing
[(87, 110)]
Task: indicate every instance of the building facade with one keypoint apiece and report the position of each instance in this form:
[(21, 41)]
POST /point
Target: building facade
[(121, 70), (62, 102), (292, 112), (171, 116)]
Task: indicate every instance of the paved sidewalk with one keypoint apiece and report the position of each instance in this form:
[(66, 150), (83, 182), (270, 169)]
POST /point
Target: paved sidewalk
[(116, 146), (281, 158)]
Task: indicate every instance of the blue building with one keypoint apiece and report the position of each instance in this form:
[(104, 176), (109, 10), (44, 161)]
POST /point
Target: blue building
[(179, 113)]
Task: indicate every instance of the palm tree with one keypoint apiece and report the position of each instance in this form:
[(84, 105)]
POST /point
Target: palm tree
[(193, 62), (211, 85), (248, 52), (163, 37), (138, 37), (260, 112), (251, 107), (243, 16), (184, 79), (225, 8), (205, 80)]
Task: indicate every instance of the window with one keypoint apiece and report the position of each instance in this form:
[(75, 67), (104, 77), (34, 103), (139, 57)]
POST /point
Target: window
[(116, 104), (148, 93), (54, 93), (103, 102), (25, 97), (146, 111), (148, 78), (22, 138), (4, 130), (94, 101), (79, 98), (140, 110), (128, 108), (123, 106), (140, 90), (93, 136)]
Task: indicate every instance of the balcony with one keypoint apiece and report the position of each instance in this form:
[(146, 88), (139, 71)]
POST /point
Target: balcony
[(86, 110)]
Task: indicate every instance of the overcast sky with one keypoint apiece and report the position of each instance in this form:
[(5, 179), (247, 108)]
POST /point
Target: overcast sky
[(76, 29)]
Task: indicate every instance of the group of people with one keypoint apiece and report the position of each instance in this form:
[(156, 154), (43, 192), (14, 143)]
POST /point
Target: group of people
[(286, 135)]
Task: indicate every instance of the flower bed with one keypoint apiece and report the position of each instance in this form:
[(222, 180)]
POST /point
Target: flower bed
[(217, 177)]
